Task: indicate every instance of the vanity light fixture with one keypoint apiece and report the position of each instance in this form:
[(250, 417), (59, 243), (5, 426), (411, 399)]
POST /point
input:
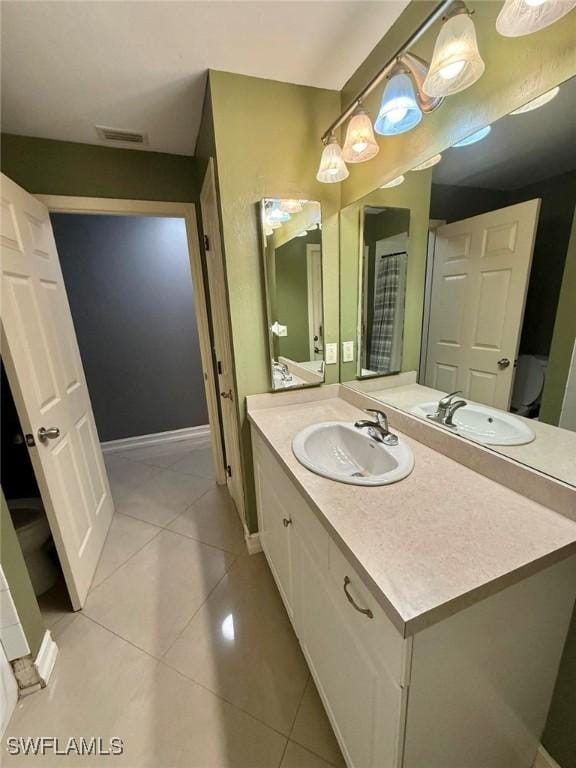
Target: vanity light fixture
[(332, 166), (394, 183), (427, 163), (291, 206), (539, 101), (304, 233), (399, 110), (276, 215), (523, 17), (456, 62), (474, 137), (360, 144)]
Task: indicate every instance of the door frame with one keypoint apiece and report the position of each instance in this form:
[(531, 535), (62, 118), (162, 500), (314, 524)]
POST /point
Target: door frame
[(186, 211)]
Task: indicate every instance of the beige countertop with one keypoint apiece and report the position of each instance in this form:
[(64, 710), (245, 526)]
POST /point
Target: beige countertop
[(553, 451), (433, 543)]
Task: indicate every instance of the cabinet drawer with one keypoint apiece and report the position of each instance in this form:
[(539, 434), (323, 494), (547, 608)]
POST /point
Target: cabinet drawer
[(380, 637)]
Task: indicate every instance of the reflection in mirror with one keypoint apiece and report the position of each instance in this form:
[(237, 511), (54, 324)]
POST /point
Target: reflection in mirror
[(382, 289), (292, 244), (499, 325)]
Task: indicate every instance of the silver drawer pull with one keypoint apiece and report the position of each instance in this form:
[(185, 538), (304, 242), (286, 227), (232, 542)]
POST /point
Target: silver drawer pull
[(365, 611)]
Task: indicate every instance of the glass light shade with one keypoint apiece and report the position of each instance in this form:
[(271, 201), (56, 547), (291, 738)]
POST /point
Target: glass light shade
[(523, 17), (291, 206), (360, 144), (399, 111), (539, 101), (332, 166), (394, 183), (456, 62), (428, 163), (276, 214), (275, 224), (474, 137), (304, 233)]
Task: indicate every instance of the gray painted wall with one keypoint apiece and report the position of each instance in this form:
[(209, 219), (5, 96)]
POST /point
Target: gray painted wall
[(130, 291)]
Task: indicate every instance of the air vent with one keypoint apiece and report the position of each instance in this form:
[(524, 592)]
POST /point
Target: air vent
[(120, 135)]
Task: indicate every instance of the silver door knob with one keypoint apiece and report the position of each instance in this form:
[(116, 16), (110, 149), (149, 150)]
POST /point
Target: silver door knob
[(48, 434), (503, 363)]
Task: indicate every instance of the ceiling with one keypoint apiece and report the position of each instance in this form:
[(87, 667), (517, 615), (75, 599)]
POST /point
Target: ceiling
[(141, 66), (520, 150)]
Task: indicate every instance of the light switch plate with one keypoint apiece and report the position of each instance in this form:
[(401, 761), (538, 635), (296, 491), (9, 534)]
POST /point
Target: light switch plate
[(347, 351), (331, 353)]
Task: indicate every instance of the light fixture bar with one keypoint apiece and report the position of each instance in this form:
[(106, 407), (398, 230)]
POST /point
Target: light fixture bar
[(379, 76)]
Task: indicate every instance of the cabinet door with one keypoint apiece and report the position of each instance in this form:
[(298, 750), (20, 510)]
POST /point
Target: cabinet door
[(275, 526), (364, 705)]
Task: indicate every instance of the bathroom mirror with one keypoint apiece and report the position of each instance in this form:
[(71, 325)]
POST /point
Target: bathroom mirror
[(494, 298), (292, 255), (382, 289)]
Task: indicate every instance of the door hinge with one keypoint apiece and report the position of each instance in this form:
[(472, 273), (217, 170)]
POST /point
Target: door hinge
[(206, 243), (229, 470), (30, 442), (219, 366)]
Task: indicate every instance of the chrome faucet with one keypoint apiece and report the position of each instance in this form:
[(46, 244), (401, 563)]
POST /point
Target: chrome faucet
[(446, 409), (282, 369), (378, 429)]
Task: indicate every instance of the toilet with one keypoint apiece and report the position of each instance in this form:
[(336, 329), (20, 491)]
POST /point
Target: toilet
[(35, 538), (528, 384)]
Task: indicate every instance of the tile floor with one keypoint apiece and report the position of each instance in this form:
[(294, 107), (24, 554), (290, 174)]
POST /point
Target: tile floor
[(183, 649)]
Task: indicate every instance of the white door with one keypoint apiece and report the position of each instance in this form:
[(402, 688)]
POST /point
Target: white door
[(222, 342), (43, 364), (315, 316), (481, 270)]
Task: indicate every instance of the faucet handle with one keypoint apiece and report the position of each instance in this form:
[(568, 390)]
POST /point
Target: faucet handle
[(447, 399), (381, 417)]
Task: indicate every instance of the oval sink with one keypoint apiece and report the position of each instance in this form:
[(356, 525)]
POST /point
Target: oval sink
[(483, 424), (341, 452)]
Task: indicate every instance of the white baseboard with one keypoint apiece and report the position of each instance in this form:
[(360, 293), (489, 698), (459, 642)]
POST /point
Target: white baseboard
[(543, 759), (191, 434), (46, 657), (252, 542)]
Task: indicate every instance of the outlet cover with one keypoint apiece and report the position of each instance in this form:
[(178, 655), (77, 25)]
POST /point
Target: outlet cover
[(331, 352), (347, 351)]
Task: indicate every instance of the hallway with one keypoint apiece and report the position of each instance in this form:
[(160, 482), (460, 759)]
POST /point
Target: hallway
[(183, 650)]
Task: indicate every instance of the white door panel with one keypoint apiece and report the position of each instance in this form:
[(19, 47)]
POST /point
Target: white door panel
[(481, 271), (47, 380)]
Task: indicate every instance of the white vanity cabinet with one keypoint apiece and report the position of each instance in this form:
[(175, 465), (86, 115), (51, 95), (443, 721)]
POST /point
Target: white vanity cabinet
[(471, 691)]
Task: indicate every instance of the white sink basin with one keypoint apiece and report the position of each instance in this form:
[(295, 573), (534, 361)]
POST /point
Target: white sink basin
[(341, 452), (483, 424)]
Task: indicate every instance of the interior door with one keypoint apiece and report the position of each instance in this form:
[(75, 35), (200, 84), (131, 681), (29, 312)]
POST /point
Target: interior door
[(222, 343), (479, 284), (315, 314), (43, 364)]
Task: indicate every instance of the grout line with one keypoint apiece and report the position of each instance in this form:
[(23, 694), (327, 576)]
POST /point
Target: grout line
[(155, 536), (283, 754), (299, 704), (179, 635)]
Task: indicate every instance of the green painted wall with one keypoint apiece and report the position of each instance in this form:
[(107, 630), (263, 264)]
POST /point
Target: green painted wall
[(560, 733), (413, 195), (517, 69), (19, 582), (267, 145), (52, 167)]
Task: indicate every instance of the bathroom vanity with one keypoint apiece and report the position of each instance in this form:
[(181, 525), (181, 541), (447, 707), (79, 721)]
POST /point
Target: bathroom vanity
[(432, 612)]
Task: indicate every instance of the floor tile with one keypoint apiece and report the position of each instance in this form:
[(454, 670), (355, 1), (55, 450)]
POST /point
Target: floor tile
[(198, 462), (125, 475), (161, 498), (241, 645), (214, 520), (151, 598), (102, 686), (298, 757), (125, 537), (312, 728), (163, 455)]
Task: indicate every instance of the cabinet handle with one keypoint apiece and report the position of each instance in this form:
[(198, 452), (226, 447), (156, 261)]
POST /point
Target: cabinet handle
[(286, 521), (365, 611)]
